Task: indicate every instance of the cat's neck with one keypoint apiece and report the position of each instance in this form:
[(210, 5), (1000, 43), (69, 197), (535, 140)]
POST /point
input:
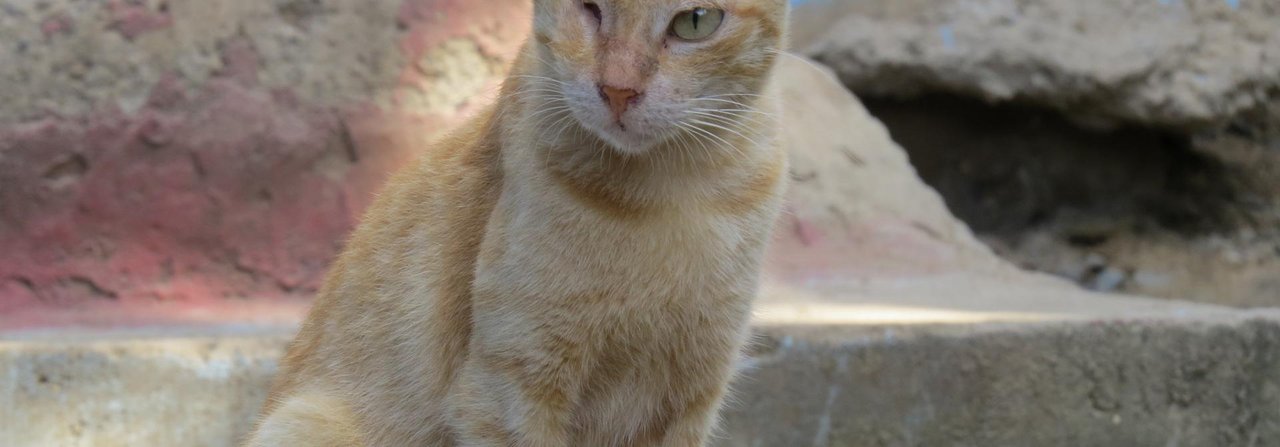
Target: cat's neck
[(682, 164)]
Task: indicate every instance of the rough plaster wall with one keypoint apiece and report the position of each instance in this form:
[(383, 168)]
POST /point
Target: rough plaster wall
[(187, 151)]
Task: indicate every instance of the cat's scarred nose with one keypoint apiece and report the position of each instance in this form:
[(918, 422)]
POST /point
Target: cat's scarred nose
[(619, 99)]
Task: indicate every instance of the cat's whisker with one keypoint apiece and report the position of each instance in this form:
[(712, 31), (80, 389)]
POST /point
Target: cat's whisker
[(738, 110), (749, 95), (739, 113), (562, 125), (543, 115), (726, 142), (727, 126), (735, 119), (550, 106), (552, 111), (733, 122), (807, 61), (688, 143), (732, 118), (563, 121), (696, 131), (743, 120), (539, 90), (737, 104), (684, 143), (687, 151), (538, 57), (543, 95), (540, 78), (741, 100)]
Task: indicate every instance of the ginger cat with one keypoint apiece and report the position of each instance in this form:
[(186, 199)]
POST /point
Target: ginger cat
[(574, 267)]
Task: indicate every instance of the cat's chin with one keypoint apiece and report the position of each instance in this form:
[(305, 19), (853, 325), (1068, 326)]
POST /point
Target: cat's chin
[(629, 142)]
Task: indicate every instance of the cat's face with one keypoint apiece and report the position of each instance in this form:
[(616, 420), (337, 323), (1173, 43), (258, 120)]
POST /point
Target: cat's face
[(639, 72)]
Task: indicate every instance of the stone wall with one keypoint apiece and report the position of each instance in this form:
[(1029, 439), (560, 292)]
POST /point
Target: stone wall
[(180, 152)]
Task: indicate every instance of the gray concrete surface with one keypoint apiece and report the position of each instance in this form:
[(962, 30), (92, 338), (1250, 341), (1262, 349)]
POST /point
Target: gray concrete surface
[(184, 391), (1119, 383), (1173, 63), (892, 364)]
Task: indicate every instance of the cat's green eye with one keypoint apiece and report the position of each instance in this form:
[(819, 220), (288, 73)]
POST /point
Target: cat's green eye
[(697, 23)]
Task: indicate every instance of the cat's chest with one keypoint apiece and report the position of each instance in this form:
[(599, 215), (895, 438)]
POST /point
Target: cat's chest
[(674, 249)]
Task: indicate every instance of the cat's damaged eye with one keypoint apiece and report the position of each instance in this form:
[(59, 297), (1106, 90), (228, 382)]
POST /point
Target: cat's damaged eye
[(697, 23)]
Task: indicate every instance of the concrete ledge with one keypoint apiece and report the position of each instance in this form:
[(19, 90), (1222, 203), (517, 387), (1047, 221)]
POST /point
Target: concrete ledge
[(1147, 373), (134, 391), (1150, 383)]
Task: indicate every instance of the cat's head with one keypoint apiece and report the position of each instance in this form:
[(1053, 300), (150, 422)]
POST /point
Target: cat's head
[(639, 72)]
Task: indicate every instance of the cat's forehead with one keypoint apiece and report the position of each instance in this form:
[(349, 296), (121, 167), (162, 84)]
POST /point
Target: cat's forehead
[(641, 6), (660, 7)]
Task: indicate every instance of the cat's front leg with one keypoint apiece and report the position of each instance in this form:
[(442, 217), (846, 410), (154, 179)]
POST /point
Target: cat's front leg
[(516, 398), (708, 366), (696, 422)]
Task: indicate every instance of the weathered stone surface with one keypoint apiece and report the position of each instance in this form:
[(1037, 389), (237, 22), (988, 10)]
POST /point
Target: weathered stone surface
[(170, 155), (1174, 63), (1110, 384), (161, 392), (1127, 146), (856, 207), (1150, 373), (73, 57)]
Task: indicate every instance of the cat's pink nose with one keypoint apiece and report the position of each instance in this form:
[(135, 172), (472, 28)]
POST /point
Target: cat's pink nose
[(619, 99)]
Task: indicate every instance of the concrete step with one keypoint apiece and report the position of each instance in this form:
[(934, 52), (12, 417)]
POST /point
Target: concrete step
[(925, 361)]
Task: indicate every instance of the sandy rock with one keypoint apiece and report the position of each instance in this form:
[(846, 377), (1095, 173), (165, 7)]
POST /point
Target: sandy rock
[(1171, 63), (856, 206)]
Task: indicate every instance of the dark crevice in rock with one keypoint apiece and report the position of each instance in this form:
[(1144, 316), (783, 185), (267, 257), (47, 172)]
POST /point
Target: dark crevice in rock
[(68, 171), (26, 283), (1004, 169), (300, 13), (82, 286), (263, 277), (1191, 214), (197, 166), (349, 142)]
